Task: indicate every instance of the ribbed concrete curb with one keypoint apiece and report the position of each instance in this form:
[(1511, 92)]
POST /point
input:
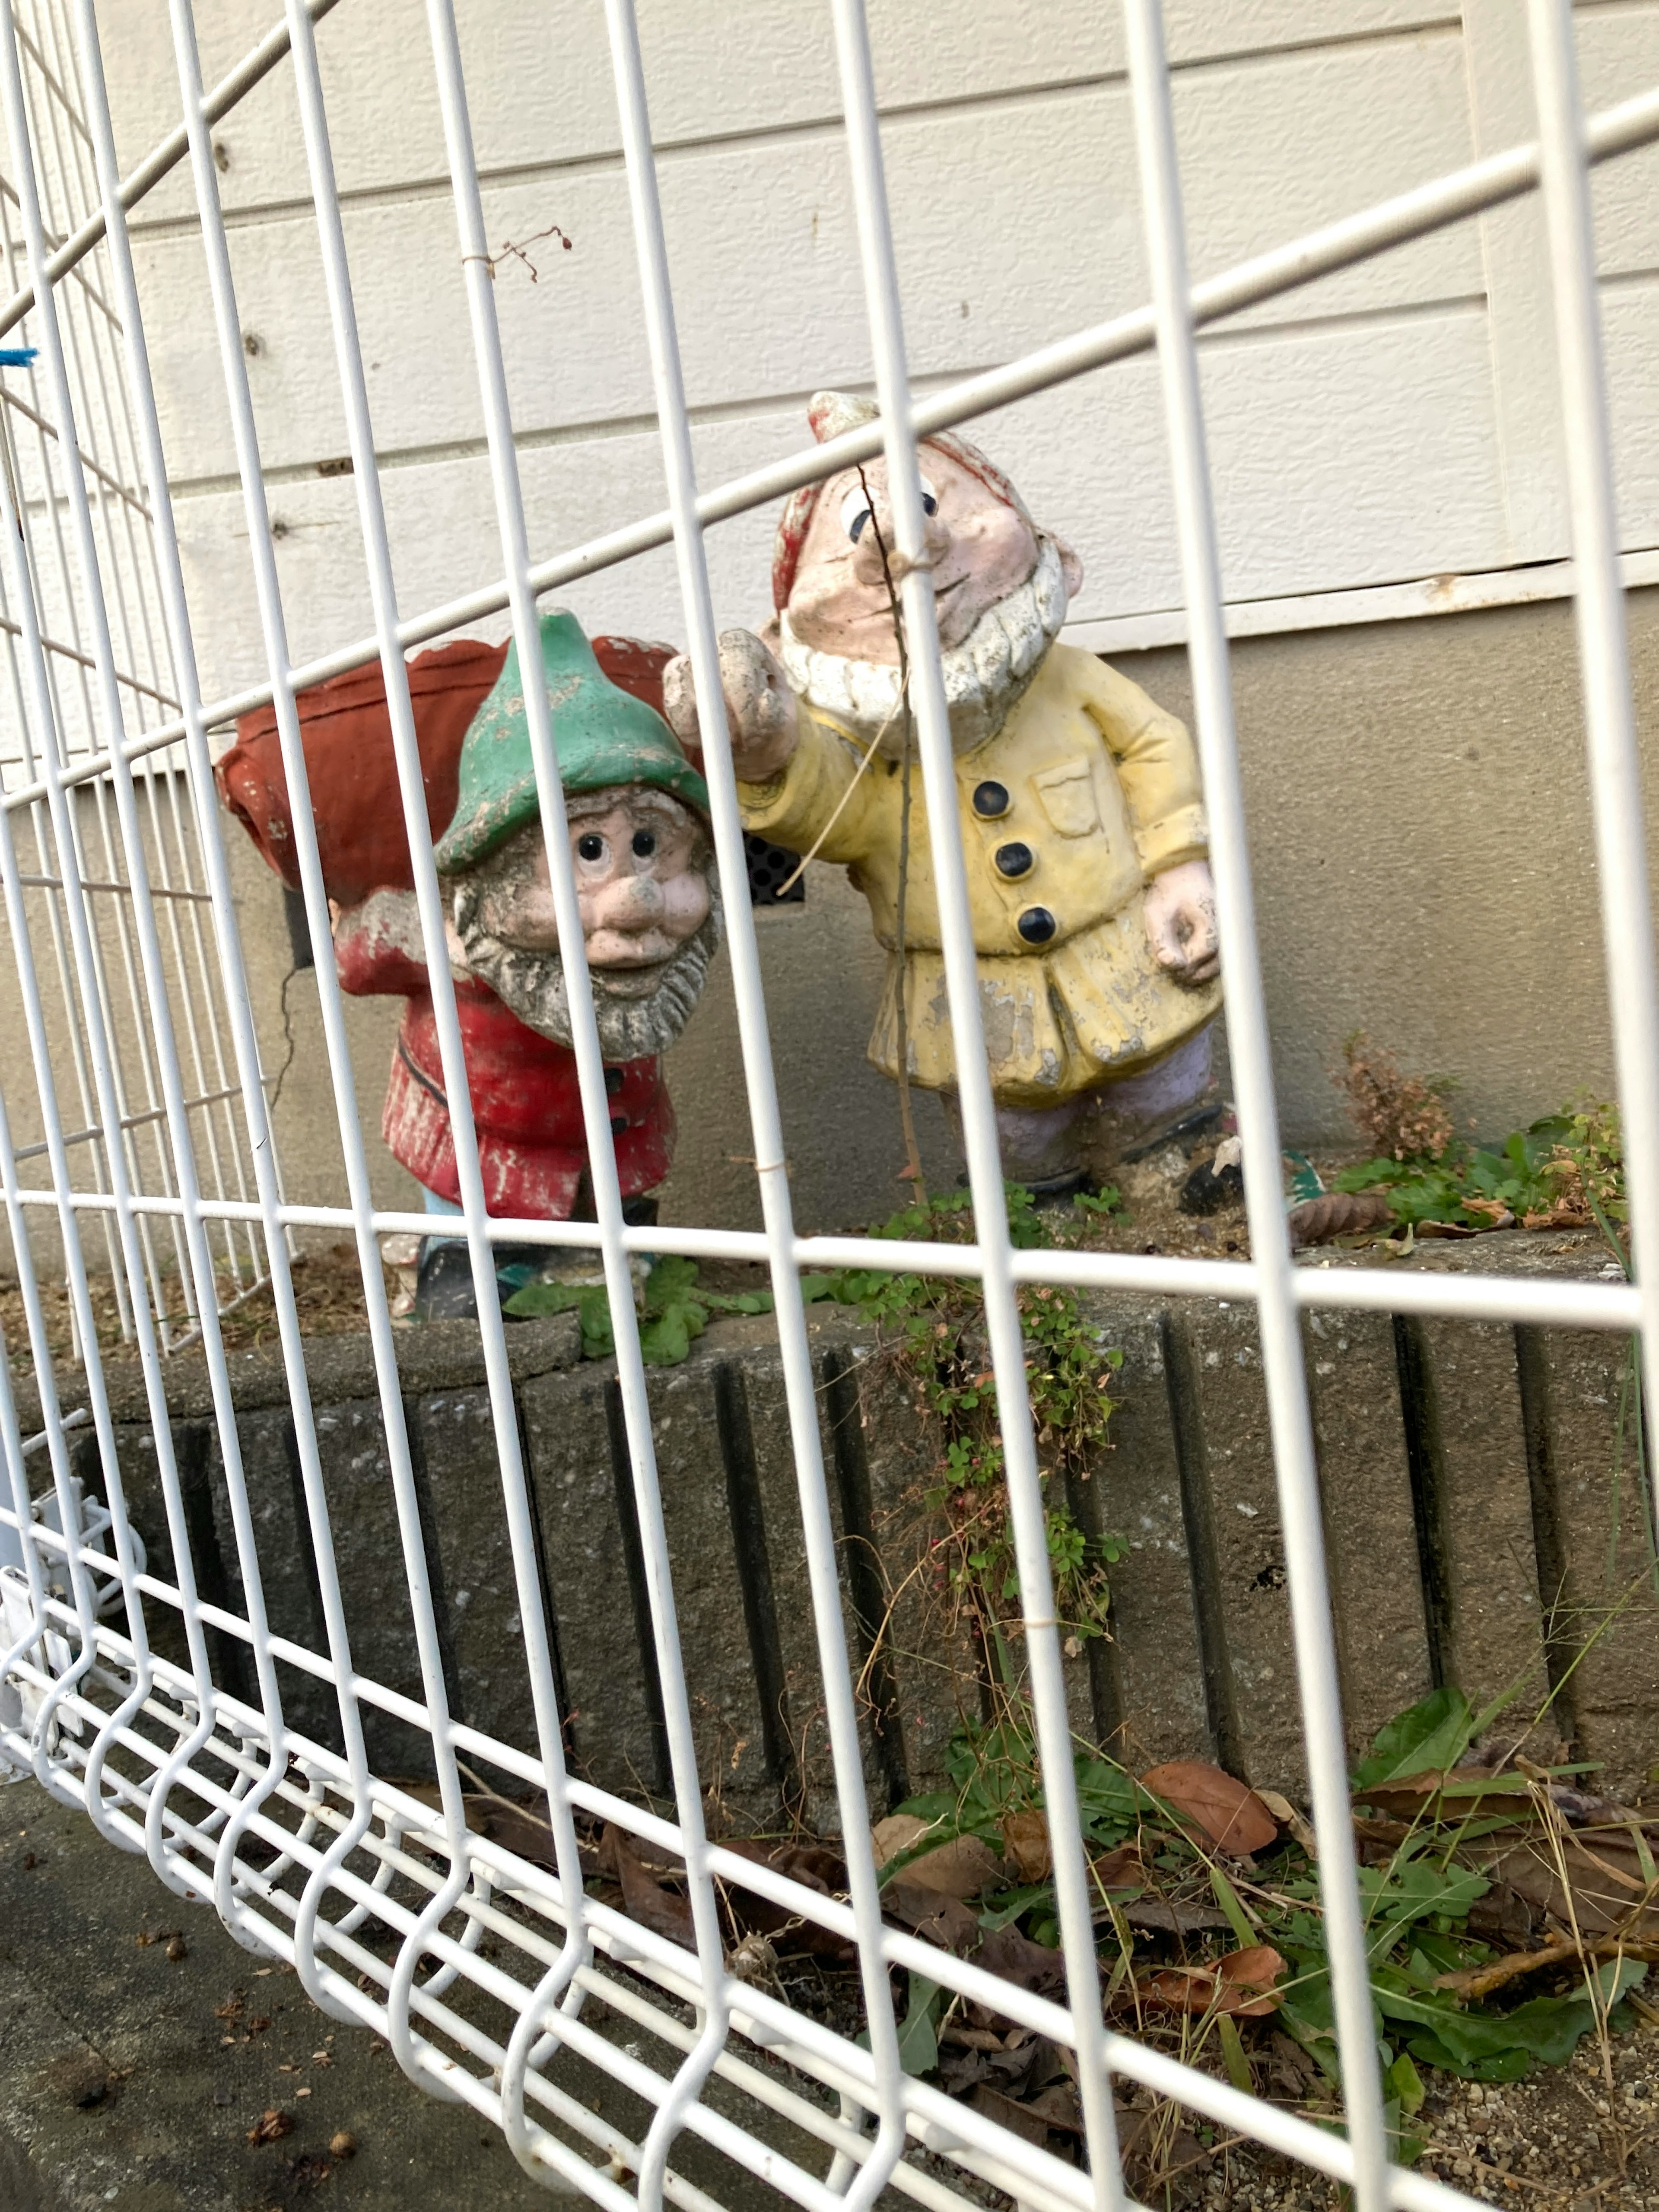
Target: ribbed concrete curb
[(1480, 1526)]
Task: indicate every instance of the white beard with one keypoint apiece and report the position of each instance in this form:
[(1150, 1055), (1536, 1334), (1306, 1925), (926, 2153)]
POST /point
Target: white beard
[(985, 676), (533, 986)]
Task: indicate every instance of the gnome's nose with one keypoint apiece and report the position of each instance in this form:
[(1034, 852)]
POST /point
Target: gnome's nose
[(631, 904), (867, 551)]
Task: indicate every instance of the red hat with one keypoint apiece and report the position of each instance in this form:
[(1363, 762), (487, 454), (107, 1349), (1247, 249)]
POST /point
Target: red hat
[(831, 414)]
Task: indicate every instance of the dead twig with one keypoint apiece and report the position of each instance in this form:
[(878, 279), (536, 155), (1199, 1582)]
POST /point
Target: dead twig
[(1473, 1981), (509, 250)]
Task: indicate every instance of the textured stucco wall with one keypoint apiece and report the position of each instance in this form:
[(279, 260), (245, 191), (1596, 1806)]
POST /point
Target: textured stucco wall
[(1421, 842), (1424, 861)]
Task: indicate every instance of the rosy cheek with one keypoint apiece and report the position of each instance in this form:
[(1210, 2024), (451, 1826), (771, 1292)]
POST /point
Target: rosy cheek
[(685, 903)]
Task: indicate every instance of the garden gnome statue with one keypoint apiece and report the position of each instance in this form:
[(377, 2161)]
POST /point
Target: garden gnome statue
[(651, 920), (1079, 799)]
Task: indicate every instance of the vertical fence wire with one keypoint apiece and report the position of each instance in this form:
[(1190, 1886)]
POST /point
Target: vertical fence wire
[(771, 1165), (372, 516), (152, 1010), (206, 825), (1615, 778), (105, 461), (328, 1986), (1295, 1468), (1040, 1627), (508, 497)]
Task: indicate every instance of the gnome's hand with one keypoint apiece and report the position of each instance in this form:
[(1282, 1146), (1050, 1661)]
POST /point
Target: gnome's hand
[(1181, 923), (760, 708)]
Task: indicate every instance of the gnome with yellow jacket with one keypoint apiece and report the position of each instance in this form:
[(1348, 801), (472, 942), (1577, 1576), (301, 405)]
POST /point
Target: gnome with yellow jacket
[(1078, 800)]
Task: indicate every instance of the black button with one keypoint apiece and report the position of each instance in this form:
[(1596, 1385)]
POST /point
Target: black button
[(614, 1080), (1036, 924), (1014, 860), (619, 1121), (991, 799)]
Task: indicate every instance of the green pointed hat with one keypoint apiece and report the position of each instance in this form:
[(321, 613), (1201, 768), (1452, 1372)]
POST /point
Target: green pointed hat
[(602, 735)]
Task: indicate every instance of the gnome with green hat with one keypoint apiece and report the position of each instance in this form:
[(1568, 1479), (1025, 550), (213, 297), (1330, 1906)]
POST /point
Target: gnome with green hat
[(643, 858)]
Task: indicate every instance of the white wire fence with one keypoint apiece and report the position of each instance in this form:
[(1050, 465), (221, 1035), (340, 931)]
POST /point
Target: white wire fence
[(144, 1098), (87, 570)]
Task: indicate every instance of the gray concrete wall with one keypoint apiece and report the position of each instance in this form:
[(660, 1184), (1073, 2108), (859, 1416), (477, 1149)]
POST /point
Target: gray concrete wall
[(1420, 834), (1482, 1519), (1424, 868)]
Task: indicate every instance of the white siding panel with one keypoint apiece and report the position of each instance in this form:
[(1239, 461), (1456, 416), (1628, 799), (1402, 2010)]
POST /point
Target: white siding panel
[(1280, 146), (1014, 224), (444, 535), (1618, 55), (1366, 454), (1630, 313), (539, 80)]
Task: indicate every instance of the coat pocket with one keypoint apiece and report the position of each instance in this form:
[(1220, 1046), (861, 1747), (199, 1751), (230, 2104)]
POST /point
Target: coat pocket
[(1067, 797)]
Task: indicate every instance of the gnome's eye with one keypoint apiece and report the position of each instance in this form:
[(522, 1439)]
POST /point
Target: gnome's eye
[(645, 843), (929, 498), (854, 514), (591, 847)]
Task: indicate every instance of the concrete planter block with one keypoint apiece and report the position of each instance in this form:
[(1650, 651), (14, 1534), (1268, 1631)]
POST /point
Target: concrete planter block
[(713, 1598), (1481, 1526), (1595, 1545), (753, 1388), (1151, 1671), (1370, 1524), (578, 1458), (288, 1567), (475, 1589), (1463, 1402), (1222, 1378), (933, 1669)]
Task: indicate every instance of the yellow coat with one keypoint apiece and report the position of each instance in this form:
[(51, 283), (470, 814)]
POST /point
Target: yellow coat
[(1102, 790)]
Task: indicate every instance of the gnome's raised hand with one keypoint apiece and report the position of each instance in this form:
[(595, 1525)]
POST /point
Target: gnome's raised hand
[(760, 707)]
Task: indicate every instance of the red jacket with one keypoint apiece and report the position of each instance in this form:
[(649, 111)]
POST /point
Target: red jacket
[(526, 1104)]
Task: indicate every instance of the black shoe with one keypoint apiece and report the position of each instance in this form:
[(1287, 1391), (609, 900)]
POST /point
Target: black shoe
[(444, 1288), (1060, 1189)]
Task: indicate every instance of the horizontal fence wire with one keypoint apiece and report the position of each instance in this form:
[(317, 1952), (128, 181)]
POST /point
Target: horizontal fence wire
[(149, 1111)]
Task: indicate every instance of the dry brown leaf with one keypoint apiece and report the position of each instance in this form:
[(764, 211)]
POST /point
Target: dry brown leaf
[(1444, 1796), (1018, 2118), (815, 1867), (1229, 1811), (963, 1867), (1241, 1983), (932, 1915), (1033, 1966), (1159, 1917), (898, 1832), (1122, 1869), (644, 1898), (523, 1830), (1336, 1213), (271, 2127), (1025, 1845), (1287, 1817), (1610, 1893)]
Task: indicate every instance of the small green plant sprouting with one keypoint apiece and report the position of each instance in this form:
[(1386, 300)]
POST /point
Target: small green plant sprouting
[(676, 1310), (936, 1326), (1423, 1873), (1565, 1171)]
